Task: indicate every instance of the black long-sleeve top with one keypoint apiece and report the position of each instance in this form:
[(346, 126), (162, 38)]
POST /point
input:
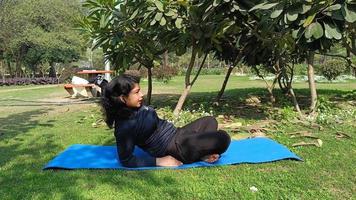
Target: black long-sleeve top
[(146, 130)]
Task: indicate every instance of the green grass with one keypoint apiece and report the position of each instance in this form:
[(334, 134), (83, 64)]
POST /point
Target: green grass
[(33, 132)]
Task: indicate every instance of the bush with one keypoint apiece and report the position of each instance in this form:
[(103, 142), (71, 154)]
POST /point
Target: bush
[(204, 71), (164, 73), (300, 69), (160, 73), (331, 69), (28, 81), (67, 74)]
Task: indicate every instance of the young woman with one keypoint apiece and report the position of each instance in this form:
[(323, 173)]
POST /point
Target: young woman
[(137, 124)]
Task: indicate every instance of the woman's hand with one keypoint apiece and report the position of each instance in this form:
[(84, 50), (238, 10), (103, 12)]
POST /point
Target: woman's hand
[(168, 161)]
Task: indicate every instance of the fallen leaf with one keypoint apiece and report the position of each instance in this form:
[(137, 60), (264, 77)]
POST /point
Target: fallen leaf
[(340, 135), (240, 136), (302, 134), (318, 143), (233, 125)]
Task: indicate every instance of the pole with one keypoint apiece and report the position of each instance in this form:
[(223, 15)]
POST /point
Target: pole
[(107, 68)]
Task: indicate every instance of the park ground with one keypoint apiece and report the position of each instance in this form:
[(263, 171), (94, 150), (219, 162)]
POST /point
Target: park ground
[(38, 122)]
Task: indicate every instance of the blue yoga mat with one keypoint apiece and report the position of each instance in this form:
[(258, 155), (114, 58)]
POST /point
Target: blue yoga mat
[(256, 150)]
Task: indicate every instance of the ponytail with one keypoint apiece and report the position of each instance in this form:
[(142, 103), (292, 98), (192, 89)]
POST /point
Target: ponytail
[(112, 106)]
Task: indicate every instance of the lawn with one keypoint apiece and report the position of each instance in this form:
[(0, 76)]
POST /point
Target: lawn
[(36, 124)]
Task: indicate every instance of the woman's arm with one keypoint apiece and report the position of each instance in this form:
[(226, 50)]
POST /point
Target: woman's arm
[(125, 147)]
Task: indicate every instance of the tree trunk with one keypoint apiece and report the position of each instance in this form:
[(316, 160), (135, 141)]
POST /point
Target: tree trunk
[(295, 102), (312, 86), (18, 68), (190, 67), (350, 64), (208, 62), (271, 88), (149, 89), (2, 67), (222, 90), (9, 68), (52, 71), (353, 44), (181, 100), (165, 59), (188, 86)]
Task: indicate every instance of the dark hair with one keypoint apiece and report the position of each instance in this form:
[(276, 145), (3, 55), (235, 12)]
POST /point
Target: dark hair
[(113, 107)]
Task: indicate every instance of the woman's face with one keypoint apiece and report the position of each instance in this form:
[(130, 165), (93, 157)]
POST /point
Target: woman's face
[(135, 98)]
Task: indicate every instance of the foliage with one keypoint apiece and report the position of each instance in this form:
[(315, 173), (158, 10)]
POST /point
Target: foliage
[(286, 113), (164, 73), (28, 81), (328, 113), (314, 24), (331, 69), (204, 71), (30, 35)]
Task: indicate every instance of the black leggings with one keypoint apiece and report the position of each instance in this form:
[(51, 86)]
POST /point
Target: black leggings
[(198, 139)]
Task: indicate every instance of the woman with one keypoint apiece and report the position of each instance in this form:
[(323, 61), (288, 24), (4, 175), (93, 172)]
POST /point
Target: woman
[(136, 124)]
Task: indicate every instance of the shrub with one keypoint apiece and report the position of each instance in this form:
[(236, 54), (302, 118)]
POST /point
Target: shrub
[(160, 73), (28, 81), (204, 71), (164, 73), (331, 69)]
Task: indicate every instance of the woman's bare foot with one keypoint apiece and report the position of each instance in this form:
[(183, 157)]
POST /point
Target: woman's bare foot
[(211, 158)]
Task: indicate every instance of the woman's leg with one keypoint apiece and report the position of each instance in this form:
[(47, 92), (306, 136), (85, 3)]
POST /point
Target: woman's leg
[(191, 146), (204, 124)]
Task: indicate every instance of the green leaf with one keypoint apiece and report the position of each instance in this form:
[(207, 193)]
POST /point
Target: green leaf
[(333, 7), (285, 19), (151, 8), (104, 20), (276, 13), (305, 9), (331, 31), (175, 16), (163, 21), (159, 5), (170, 13), (309, 20), (268, 6), (134, 14), (158, 16), (263, 6), (237, 7), (308, 32), (292, 16), (178, 22), (317, 30), (153, 22), (350, 15), (216, 2), (296, 33)]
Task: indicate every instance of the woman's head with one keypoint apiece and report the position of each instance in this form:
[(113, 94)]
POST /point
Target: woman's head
[(120, 97)]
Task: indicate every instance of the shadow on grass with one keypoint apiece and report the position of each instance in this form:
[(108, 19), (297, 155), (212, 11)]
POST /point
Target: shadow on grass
[(21, 161), (24, 152), (20, 123), (235, 102), (12, 102)]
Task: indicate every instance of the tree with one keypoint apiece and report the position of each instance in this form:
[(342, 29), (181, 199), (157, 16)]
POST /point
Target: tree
[(315, 26), (125, 32), (32, 35)]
